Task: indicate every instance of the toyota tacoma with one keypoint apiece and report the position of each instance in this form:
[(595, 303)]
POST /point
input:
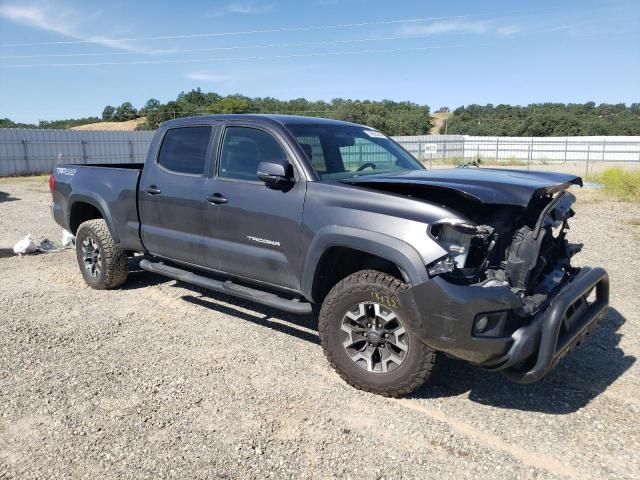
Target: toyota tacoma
[(316, 216)]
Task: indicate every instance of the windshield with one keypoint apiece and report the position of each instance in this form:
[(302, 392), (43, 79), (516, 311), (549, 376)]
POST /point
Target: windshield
[(339, 152)]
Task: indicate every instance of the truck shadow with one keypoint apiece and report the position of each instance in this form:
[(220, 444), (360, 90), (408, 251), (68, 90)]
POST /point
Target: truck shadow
[(139, 278), (580, 377), (303, 327), (6, 197)]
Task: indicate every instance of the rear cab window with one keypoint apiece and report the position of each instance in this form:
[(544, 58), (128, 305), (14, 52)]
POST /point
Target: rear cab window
[(184, 149)]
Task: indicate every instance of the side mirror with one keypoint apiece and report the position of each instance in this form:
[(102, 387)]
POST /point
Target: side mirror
[(274, 171)]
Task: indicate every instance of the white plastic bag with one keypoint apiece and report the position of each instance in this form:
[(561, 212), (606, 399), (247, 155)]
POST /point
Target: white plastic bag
[(25, 246), (67, 238)]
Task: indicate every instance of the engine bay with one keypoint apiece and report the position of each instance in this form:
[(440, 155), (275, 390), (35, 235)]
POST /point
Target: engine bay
[(523, 248)]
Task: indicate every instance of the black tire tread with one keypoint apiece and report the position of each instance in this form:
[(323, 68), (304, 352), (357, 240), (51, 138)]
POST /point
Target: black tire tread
[(116, 265), (354, 283)]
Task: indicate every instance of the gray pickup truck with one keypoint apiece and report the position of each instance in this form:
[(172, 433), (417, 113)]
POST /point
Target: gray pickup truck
[(310, 215)]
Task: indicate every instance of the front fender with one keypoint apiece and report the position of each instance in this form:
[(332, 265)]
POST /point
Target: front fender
[(392, 249)]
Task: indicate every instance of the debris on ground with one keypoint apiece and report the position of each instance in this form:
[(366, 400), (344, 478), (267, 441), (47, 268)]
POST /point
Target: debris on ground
[(68, 238), (25, 246)]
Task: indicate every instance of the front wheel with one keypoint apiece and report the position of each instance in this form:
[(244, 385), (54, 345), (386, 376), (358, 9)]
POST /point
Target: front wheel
[(102, 263), (365, 337)]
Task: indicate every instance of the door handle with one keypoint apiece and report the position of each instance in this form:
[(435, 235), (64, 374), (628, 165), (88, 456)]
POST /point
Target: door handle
[(217, 199), (153, 190)]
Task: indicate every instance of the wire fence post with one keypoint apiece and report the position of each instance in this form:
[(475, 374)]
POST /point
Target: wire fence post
[(604, 148), (528, 157), (497, 147), (26, 154), (531, 152), (444, 149), (464, 142), (566, 148), (84, 151), (586, 172), (131, 150)]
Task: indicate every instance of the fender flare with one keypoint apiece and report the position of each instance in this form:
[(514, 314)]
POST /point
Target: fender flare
[(392, 249), (100, 205)]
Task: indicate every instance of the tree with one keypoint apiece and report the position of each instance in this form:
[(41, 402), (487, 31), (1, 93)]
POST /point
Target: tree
[(151, 105), (234, 104), (125, 112), (108, 112), (194, 97)]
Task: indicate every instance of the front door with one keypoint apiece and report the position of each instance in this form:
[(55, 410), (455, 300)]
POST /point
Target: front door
[(259, 228), (172, 195)]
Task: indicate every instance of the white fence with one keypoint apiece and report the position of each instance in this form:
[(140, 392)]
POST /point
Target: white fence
[(524, 149), (28, 151)]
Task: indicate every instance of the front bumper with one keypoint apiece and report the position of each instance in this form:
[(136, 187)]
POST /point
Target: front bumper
[(442, 315)]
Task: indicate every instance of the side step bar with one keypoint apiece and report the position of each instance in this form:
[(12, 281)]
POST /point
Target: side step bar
[(228, 288)]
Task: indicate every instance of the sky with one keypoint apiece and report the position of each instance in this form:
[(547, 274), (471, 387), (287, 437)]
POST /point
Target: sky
[(70, 58)]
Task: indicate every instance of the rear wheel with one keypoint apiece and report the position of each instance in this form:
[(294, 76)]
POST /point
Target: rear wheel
[(102, 263), (365, 336)]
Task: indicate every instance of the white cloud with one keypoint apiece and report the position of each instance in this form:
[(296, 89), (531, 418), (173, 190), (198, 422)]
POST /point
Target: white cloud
[(206, 77), (249, 8), (55, 20), (460, 27), (510, 30), (446, 27)]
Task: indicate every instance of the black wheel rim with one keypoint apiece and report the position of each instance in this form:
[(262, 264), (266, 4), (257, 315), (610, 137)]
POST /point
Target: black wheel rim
[(374, 337), (92, 256)]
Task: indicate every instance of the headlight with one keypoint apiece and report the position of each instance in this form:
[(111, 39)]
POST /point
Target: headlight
[(455, 239)]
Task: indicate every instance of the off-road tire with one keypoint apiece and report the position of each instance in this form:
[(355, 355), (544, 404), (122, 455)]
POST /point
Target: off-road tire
[(114, 268), (359, 287)]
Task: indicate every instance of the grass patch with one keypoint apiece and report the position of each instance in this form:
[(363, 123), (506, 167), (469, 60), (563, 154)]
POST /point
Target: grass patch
[(621, 183)]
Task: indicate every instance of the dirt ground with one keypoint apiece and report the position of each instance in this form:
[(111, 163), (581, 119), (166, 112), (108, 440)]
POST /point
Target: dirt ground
[(161, 380)]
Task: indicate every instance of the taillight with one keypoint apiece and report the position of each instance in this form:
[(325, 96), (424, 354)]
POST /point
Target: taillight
[(52, 183)]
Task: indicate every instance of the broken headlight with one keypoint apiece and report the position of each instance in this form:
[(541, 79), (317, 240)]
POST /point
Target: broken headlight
[(456, 239)]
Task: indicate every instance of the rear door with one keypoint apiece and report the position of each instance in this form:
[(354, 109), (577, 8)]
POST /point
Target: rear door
[(259, 228), (172, 195)]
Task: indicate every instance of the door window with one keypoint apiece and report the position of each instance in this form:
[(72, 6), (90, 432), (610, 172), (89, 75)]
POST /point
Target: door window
[(184, 150), (243, 149), (312, 147)]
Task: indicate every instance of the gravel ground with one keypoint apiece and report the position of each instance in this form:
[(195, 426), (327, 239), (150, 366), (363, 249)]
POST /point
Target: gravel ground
[(159, 379)]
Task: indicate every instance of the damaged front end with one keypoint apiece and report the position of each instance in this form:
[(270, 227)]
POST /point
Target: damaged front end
[(506, 296)]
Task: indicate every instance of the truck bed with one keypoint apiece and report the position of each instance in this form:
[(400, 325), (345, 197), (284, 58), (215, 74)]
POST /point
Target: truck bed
[(110, 187)]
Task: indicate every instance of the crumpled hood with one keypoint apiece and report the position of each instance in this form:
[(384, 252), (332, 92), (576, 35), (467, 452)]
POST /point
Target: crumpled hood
[(485, 185)]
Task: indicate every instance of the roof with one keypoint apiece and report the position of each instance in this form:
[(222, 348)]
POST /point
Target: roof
[(270, 118)]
